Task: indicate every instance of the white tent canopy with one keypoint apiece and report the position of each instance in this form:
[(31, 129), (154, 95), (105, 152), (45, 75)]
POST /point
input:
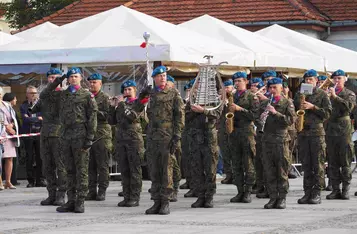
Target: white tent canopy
[(45, 30), (115, 36), (267, 53), (7, 38), (335, 57)]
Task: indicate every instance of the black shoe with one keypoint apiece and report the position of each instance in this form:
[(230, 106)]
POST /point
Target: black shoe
[(60, 198), (292, 175), (91, 196), (173, 197), (315, 198), (281, 203), (305, 199), (345, 195), (271, 204), (121, 194), (67, 207), (190, 193), (355, 193), (132, 203), (154, 209), (30, 185), (100, 196), (165, 208), (328, 188), (246, 197), (79, 206), (184, 186), (237, 198), (42, 183), (263, 194), (16, 183), (149, 190), (123, 203), (336, 194), (228, 179), (48, 201), (200, 202), (208, 202)]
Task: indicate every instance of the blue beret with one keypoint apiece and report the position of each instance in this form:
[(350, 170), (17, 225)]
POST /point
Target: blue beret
[(54, 71), (190, 84), (239, 75), (228, 83), (158, 70), (322, 77), (339, 72), (95, 76), (170, 78), (73, 70), (269, 74), (257, 80), (274, 81), (126, 84), (311, 73)]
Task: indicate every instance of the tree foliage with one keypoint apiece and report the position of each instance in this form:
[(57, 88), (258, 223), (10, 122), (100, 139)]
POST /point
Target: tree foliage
[(19, 13)]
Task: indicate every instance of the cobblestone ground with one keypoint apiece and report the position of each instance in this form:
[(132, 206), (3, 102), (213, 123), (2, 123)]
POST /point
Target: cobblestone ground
[(20, 212)]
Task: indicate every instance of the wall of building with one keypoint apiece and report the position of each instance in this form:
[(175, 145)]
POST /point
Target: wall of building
[(346, 39)]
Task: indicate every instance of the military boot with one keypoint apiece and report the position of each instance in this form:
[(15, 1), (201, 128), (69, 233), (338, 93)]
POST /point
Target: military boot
[(121, 194), (60, 198), (50, 200), (91, 196), (228, 179), (69, 206), (281, 203), (184, 186), (155, 208), (271, 204), (247, 195), (190, 193), (263, 194), (173, 197), (165, 207), (329, 186), (200, 202), (123, 203), (132, 203), (208, 202), (355, 193), (305, 199), (79, 206), (100, 195), (345, 192), (315, 197), (336, 194)]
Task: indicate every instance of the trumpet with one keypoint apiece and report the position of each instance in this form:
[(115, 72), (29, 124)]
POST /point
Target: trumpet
[(265, 115), (327, 83), (229, 115), (301, 115), (260, 90)]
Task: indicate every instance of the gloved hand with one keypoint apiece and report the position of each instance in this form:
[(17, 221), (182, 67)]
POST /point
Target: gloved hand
[(87, 145), (173, 144), (145, 92)]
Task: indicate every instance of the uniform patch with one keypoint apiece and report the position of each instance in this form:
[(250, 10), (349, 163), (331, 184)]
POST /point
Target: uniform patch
[(92, 95)]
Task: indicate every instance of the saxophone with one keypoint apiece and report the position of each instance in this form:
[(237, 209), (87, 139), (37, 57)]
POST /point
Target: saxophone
[(301, 115), (229, 115)]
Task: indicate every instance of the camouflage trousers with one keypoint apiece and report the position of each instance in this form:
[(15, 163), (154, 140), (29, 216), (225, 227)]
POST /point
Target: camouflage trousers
[(98, 171), (161, 171), (76, 162), (187, 153), (176, 170), (312, 149), (130, 159), (53, 164), (186, 162), (339, 150), (223, 142), (243, 154), (276, 167), (258, 163), (292, 146), (204, 151)]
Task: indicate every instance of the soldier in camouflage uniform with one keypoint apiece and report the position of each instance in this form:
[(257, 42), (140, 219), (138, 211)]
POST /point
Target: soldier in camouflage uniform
[(166, 119), (98, 172), (223, 138), (312, 146), (241, 141), (52, 159), (339, 129), (130, 143), (78, 117), (204, 151), (278, 115)]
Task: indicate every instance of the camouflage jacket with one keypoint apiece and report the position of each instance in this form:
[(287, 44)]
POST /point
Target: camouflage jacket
[(276, 126), (221, 126), (166, 114), (314, 118), (339, 123), (104, 130), (244, 119), (48, 105), (126, 117)]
